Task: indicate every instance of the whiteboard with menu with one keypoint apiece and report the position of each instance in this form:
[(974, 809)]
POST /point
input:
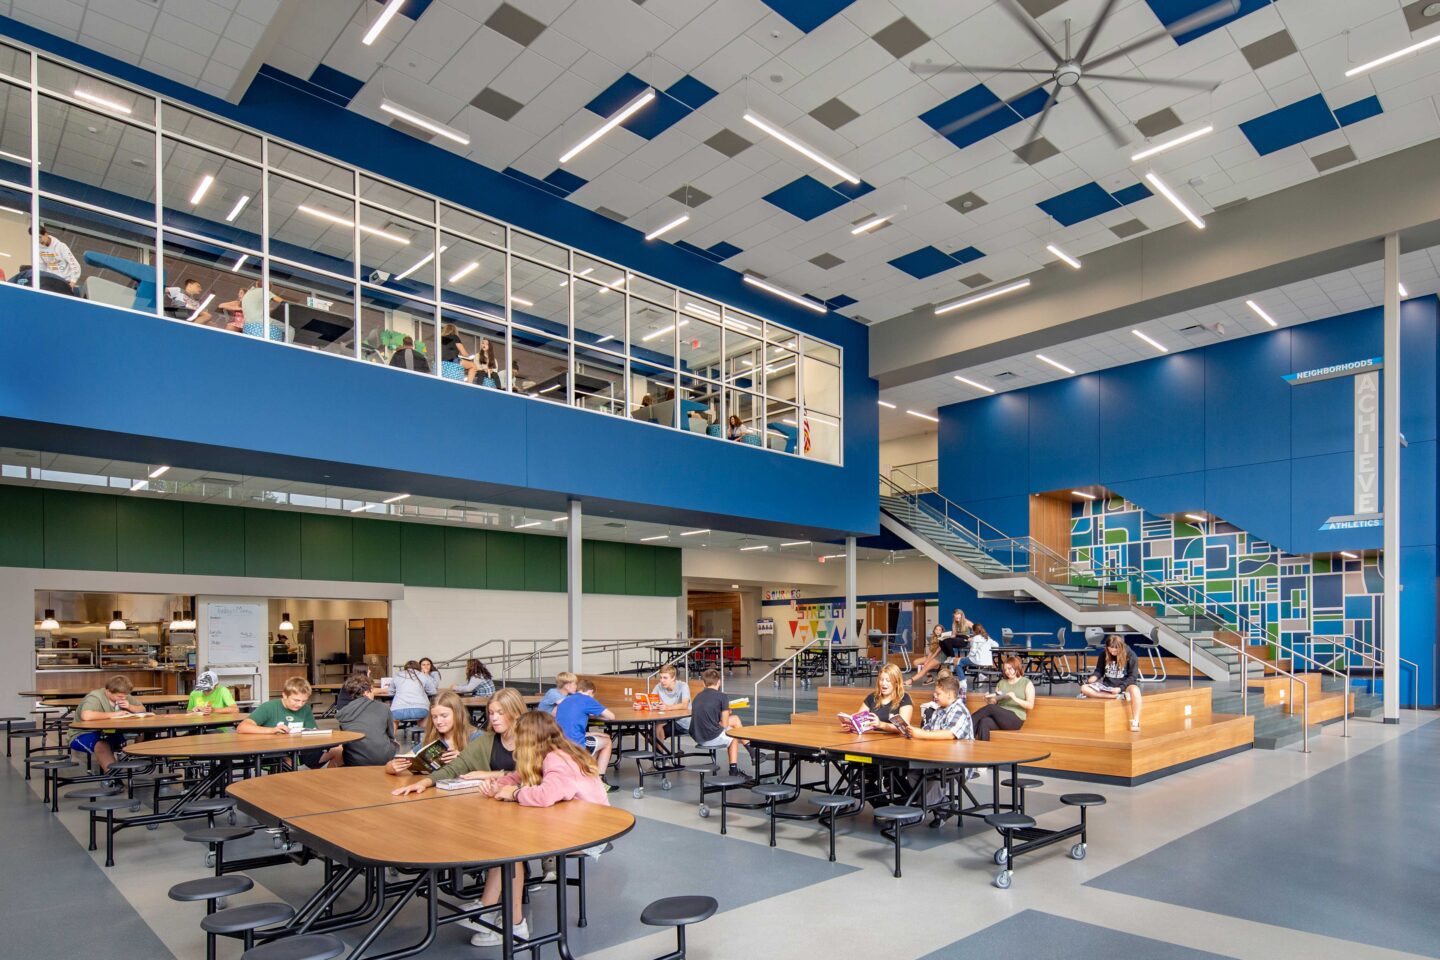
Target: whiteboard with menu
[(232, 640)]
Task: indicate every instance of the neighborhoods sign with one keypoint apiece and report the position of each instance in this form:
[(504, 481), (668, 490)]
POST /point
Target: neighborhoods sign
[(1366, 374)]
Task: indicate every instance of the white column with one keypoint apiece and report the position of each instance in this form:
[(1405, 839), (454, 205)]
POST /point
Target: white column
[(575, 586), (850, 628), (1391, 504)]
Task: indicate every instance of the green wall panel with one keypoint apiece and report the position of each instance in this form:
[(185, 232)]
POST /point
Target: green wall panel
[(505, 561), (79, 531), (609, 567), (545, 564), (375, 551), (326, 547), (639, 570), (214, 540), (150, 535), (22, 527), (587, 566), (272, 544), (668, 581), (465, 558), (422, 555)]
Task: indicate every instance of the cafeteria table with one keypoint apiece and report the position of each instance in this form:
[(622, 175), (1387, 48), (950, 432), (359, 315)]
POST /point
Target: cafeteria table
[(351, 818), (664, 757), (44, 692), (144, 699)]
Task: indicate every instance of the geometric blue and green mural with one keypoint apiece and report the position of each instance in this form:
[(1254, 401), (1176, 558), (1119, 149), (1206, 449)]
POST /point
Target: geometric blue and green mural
[(1284, 598)]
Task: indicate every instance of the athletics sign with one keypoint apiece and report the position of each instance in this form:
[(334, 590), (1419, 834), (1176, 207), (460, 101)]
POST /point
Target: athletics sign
[(1366, 374)]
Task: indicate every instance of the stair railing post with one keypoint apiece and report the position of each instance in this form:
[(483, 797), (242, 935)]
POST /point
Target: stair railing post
[(1305, 720), (1192, 660)]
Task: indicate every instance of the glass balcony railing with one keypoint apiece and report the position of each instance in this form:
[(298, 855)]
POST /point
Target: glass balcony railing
[(148, 205)]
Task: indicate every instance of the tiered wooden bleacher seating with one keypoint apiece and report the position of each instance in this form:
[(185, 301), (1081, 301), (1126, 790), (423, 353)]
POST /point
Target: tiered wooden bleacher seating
[(610, 689), (1325, 705), (1092, 738)]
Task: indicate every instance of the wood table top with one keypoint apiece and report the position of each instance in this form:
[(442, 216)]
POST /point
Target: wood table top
[(628, 714), (145, 699), (815, 736), (164, 721), (962, 753), (237, 744), (461, 831), (531, 699), (57, 692), (304, 793)]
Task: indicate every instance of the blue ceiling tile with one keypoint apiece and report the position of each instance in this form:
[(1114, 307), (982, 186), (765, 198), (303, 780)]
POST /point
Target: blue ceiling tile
[(808, 198), (538, 184), (725, 250), (691, 92), (1359, 110), (565, 180), (1172, 11), (1032, 103), (840, 302), (963, 105), (852, 191), (698, 251), (1132, 194), (656, 117), (336, 82), (925, 262), (1289, 125), (304, 86), (806, 15), (413, 9), (965, 255), (659, 115), (615, 96), (1079, 204)]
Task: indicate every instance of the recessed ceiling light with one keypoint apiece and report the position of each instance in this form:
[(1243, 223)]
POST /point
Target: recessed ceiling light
[(100, 101), (1056, 364), (424, 122), (526, 526), (663, 536), (796, 543), (1261, 313), (1171, 144), (980, 297), (464, 271), (1082, 493), (1063, 255), (792, 297), (1175, 200), (615, 119), (971, 383), (235, 210), (668, 227), (886, 404), (691, 533), (1195, 516), (869, 225), (662, 331), (159, 472), (763, 546), (397, 498), (558, 519), (923, 416), (419, 263), (202, 188), (1347, 553), (240, 263), (734, 586), (1380, 61), (340, 221), (1150, 340), (796, 145), (386, 15)]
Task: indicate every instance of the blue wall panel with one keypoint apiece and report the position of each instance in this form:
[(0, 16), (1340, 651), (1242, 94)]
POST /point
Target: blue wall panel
[(1247, 401), (1255, 497), (1320, 488), (1417, 621), (1418, 375), (1064, 433), (979, 457), (1181, 493), (1418, 493), (1317, 426), (1142, 405)]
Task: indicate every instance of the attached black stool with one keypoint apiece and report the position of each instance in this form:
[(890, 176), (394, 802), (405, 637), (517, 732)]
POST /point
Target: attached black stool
[(126, 770), (1023, 784), (29, 735), (9, 729), (639, 756), (215, 839), (242, 922), (309, 946), (93, 792), (213, 890), (1083, 801), (210, 806), (831, 806), (722, 783), (773, 794), (1009, 824), (678, 912), (897, 816), (107, 806), (50, 768)]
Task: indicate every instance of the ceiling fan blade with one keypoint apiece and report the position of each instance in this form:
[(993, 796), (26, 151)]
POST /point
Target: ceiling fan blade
[(1116, 134), (1040, 122), (1094, 33), (984, 112), (1196, 21), (1154, 81), (965, 68), (1031, 27)]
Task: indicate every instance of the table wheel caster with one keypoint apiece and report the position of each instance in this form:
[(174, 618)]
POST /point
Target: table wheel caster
[(1077, 852), (221, 903), (1002, 879), (210, 859), (1000, 857), (232, 818), (704, 811), (665, 784), (638, 793), (152, 826), (135, 807)]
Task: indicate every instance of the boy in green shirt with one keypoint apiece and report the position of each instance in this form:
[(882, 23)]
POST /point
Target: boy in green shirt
[(289, 714), (211, 696)]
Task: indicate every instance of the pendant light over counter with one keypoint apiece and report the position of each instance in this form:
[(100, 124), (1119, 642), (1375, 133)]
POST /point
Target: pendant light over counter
[(285, 623), (117, 622)]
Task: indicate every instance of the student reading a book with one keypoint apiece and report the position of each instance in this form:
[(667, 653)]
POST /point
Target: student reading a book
[(365, 715), (1116, 677), (210, 696), (489, 754), (447, 732), (290, 713), (573, 715), (711, 720), (565, 682), (549, 769), (110, 702), (1007, 706), (672, 693), (889, 699), (477, 682), (950, 720)]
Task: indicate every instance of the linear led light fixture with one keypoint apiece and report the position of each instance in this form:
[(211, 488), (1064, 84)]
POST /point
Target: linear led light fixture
[(1152, 341), (1172, 144), (662, 331), (1347, 553), (1403, 291), (340, 221), (15, 156), (971, 383), (240, 263), (139, 485), (1389, 57), (799, 147), (235, 210), (100, 101), (1057, 365), (1261, 313), (522, 301), (201, 309), (615, 119), (532, 523), (419, 263), (397, 498), (159, 472), (886, 404), (786, 294), (386, 15), (1195, 516), (360, 509), (663, 536), (923, 416), (869, 225), (1062, 255), (707, 313), (425, 123), (981, 297), (558, 519), (553, 386), (832, 556), (1175, 200), (683, 218), (691, 533), (763, 546), (464, 271), (1082, 493), (202, 188), (796, 543)]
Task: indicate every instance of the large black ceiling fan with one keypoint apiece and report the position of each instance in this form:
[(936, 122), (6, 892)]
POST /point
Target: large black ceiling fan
[(1071, 69)]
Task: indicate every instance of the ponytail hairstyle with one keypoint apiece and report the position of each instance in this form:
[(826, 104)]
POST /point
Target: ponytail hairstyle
[(537, 735)]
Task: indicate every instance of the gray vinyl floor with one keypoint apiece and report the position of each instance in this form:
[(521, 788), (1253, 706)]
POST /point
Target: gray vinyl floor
[(1334, 854)]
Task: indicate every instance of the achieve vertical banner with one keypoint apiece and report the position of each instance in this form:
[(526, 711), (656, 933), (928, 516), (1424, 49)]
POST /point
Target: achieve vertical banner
[(1366, 492)]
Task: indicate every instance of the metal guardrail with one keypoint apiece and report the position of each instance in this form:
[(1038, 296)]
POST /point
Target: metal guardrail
[(794, 679), (538, 651), (685, 657)]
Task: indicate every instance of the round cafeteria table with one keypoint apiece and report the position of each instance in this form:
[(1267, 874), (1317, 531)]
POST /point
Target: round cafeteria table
[(350, 817), (144, 699), (44, 692)]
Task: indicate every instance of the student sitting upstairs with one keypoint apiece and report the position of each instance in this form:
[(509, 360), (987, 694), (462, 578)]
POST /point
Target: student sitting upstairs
[(565, 682), (363, 714), (290, 713), (477, 682), (573, 715), (110, 702), (1116, 677), (549, 769), (711, 720)]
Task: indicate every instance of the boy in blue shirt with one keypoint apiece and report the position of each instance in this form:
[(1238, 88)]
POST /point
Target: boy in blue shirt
[(573, 715), (564, 686)]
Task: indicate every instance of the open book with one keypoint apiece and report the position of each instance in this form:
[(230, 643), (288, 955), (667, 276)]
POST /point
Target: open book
[(858, 722), (427, 758), (905, 728), (138, 716)]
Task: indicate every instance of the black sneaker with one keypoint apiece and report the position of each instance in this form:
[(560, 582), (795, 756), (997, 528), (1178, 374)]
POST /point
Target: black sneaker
[(609, 787)]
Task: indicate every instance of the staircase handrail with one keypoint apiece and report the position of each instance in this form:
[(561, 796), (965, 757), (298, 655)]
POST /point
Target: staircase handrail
[(794, 678), (1380, 665), (685, 656), (946, 517), (461, 658)]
